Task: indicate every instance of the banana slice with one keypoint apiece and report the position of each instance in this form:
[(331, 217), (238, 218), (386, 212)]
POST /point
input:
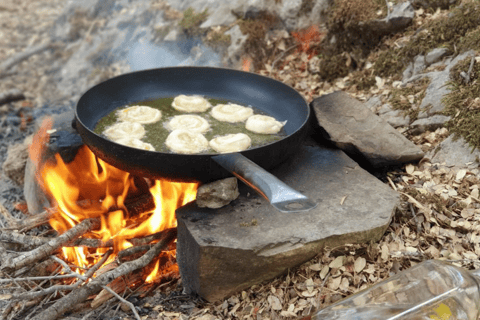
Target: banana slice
[(135, 143), (125, 129), (190, 103), (231, 112), (184, 141), (264, 124), (231, 143), (188, 122), (139, 114)]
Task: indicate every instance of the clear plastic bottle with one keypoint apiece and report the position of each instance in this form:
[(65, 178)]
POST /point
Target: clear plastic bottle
[(431, 290)]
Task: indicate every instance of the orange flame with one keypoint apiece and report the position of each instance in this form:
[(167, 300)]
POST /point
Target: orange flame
[(305, 37), (88, 187), (246, 64), (39, 141)]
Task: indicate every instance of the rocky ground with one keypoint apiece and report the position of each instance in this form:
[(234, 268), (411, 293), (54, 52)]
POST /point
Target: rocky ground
[(400, 77)]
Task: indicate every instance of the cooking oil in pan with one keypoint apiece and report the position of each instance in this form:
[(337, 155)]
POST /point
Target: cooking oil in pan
[(156, 133)]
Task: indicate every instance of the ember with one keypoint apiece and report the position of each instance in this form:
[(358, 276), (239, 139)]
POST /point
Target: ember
[(89, 188)]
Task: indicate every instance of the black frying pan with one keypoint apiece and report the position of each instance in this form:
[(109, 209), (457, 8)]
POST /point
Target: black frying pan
[(268, 95)]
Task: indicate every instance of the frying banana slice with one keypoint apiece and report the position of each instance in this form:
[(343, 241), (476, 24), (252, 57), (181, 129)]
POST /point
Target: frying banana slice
[(135, 143), (190, 103), (231, 143), (189, 122), (139, 114), (264, 124), (184, 141), (125, 129), (231, 112)]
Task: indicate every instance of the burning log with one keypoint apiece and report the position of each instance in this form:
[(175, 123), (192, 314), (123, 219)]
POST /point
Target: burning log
[(69, 301)]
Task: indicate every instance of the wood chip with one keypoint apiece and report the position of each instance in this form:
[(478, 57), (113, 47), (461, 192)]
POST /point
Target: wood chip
[(360, 264)]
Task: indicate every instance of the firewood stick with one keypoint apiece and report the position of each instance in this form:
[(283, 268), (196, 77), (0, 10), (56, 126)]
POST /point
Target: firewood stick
[(133, 250), (31, 242), (56, 277), (35, 294), (75, 297), (46, 249), (28, 223), (7, 215)]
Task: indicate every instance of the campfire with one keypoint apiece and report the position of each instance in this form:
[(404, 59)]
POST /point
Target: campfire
[(105, 218)]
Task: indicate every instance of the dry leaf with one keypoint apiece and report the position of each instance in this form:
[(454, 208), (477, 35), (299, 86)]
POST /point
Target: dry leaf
[(334, 283), (409, 168), (309, 284), (274, 302), (359, 264), (344, 284), (315, 267), (461, 174), (343, 200), (324, 272), (337, 263)]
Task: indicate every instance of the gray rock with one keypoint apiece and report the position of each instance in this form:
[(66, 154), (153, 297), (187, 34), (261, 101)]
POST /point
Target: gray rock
[(402, 13), (401, 16), (373, 103), (435, 55), (395, 118), (359, 132), (454, 151), (385, 108), (217, 194), (419, 64), (408, 72), (432, 102), (223, 251), (289, 12), (431, 123)]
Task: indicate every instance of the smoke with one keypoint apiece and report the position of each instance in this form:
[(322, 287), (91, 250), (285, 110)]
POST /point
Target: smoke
[(148, 55)]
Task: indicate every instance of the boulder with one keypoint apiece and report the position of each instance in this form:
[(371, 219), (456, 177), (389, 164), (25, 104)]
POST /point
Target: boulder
[(360, 133), (223, 251), (431, 123)]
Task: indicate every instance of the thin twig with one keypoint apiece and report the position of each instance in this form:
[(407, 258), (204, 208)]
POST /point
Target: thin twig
[(417, 222), (56, 277), (66, 303), (282, 55), (45, 250), (467, 76), (10, 62)]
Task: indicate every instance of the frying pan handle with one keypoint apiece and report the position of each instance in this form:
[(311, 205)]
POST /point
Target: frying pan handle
[(281, 196)]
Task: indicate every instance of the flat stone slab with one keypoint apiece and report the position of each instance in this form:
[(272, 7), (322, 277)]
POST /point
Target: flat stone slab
[(454, 151), (356, 130), (222, 251)]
